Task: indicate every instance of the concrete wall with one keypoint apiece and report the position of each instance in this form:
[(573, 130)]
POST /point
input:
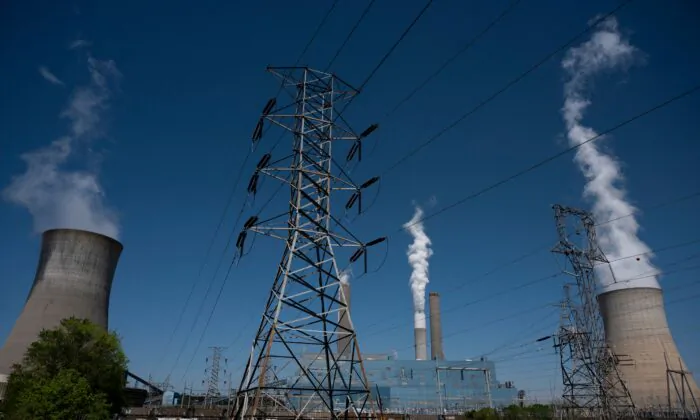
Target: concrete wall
[(73, 278), (636, 329)]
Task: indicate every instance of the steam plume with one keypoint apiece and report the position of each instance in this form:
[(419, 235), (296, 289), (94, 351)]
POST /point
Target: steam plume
[(344, 276), (418, 254), (606, 50), (61, 198)]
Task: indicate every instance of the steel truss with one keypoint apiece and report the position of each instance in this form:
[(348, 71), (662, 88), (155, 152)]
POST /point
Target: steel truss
[(296, 368), (591, 379)]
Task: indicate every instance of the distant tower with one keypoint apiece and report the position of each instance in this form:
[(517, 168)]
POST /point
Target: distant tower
[(436, 352), (73, 278), (592, 385), (213, 369), (295, 367)]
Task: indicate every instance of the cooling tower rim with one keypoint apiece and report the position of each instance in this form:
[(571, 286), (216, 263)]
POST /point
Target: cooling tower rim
[(82, 232), (626, 289)]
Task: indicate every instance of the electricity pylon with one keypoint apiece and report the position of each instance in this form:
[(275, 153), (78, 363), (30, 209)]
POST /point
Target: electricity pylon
[(591, 379), (295, 367), (212, 371)]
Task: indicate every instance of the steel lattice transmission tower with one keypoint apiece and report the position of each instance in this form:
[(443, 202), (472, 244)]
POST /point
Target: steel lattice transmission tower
[(592, 384), (212, 371), (295, 367)]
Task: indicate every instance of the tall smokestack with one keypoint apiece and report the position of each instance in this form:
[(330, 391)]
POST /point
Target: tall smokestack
[(420, 336), (73, 278), (436, 352), (345, 342), (418, 254), (636, 329)]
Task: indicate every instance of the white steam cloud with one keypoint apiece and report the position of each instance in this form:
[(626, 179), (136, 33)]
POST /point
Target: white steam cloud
[(50, 77), (345, 275), (61, 198), (606, 50), (418, 254)]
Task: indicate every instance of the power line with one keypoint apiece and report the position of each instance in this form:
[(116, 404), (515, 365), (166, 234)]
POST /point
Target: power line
[(229, 200), (316, 32), (385, 57), (306, 47), (228, 204), (456, 55), (663, 204), (549, 277), (540, 339), (211, 315), (350, 34), (396, 44), (548, 245), (556, 156), (510, 84), (208, 290)]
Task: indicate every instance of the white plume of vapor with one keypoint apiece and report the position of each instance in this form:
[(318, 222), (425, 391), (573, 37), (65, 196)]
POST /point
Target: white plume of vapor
[(418, 254), (606, 50), (345, 275), (59, 198), (50, 77)]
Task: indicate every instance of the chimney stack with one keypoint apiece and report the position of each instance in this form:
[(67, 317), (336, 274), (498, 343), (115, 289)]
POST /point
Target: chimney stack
[(436, 352), (420, 336), (345, 340)]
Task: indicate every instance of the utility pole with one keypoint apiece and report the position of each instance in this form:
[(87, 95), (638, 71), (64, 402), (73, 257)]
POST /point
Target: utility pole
[(212, 372), (592, 383), (295, 368)]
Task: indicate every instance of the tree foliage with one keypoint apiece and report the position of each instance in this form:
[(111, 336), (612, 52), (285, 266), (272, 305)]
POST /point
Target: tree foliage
[(75, 371), (513, 412)]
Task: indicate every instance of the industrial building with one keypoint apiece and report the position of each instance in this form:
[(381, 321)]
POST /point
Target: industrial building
[(434, 386)]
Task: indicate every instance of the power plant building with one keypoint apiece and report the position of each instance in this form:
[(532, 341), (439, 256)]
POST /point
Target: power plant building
[(427, 386), (73, 279), (417, 386)]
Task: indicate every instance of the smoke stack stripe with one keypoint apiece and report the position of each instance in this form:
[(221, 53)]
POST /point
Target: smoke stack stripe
[(637, 332), (436, 352), (73, 278)]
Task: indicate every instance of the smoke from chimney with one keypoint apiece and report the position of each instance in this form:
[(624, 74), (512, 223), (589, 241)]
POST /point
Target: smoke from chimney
[(60, 198), (418, 254), (606, 50)]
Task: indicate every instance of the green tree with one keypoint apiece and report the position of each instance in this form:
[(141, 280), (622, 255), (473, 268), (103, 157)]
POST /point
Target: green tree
[(482, 414), (514, 411), (75, 371)]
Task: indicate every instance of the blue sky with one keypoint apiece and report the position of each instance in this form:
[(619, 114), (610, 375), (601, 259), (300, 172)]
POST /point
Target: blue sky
[(193, 83)]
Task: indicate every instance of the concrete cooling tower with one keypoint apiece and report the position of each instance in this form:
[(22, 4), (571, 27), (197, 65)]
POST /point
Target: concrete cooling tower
[(73, 278), (636, 329)]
